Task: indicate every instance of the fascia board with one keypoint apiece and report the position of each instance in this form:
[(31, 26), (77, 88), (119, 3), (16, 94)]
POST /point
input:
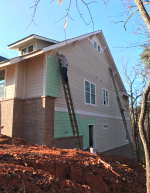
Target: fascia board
[(5, 63), (44, 39), (68, 41), (15, 60), (20, 42), (113, 66), (32, 54), (20, 58), (126, 94)]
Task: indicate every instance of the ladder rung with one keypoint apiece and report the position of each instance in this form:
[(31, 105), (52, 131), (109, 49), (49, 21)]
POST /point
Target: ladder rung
[(71, 111)]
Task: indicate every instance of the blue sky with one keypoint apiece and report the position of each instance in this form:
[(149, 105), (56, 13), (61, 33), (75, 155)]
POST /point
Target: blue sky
[(15, 16)]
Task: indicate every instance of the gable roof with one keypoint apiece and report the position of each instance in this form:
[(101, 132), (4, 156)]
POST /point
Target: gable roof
[(64, 43), (2, 59), (31, 37)]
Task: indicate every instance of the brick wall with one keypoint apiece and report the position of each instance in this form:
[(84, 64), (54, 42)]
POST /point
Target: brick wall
[(49, 121), (32, 120), (17, 118), (6, 116)]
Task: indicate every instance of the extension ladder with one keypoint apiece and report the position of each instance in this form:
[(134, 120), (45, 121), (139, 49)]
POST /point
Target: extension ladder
[(121, 109), (71, 111)]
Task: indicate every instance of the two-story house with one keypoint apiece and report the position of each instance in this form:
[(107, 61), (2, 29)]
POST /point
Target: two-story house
[(32, 101)]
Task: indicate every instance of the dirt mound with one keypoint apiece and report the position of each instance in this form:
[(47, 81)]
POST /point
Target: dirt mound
[(25, 167)]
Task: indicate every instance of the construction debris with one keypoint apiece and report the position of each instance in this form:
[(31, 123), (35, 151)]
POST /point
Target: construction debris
[(27, 168)]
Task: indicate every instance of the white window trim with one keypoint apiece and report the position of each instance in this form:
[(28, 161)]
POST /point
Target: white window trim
[(28, 48), (90, 94), (104, 127), (103, 97), (96, 45), (94, 138), (22, 49), (2, 98)]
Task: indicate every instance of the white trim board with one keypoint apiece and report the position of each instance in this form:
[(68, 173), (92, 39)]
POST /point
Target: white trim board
[(90, 113)]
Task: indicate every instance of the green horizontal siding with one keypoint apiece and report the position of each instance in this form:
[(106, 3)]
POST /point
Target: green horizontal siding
[(53, 76), (62, 126)]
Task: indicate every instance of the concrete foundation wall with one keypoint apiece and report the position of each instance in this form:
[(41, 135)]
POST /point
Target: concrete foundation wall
[(124, 150), (66, 142)]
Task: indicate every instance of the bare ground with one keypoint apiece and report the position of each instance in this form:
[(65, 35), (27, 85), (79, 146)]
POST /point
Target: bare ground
[(29, 168)]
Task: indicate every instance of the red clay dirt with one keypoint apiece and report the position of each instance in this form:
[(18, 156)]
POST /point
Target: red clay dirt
[(29, 168)]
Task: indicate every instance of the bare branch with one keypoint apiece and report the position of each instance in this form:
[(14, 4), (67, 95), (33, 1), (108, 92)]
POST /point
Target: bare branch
[(89, 13), (129, 18), (35, 7), (105, 2)]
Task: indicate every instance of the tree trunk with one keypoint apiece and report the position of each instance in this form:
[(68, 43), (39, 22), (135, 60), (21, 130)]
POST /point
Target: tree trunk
[(132, 116), (143, 135), (143, 13)]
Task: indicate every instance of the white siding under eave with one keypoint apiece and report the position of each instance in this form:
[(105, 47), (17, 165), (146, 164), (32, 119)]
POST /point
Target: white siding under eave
[(20, 80), (34, 77), (10, 82)]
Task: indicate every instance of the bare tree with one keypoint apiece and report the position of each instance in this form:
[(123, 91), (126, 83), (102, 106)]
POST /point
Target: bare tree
[(132, 75), (139, 5)]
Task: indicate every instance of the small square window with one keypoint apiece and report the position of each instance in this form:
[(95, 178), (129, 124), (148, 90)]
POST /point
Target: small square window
[(30, 49), (23, 51), (105, 126), (95, 46), (99, 48)]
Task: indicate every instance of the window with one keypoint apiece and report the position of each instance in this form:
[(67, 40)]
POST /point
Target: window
[(23, 51), (105, 97), (90, 93), (95, 46), (105, 126), (99, 48), (2, 83), (30, 49)]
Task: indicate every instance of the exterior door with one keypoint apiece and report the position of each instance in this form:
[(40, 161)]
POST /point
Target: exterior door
[(91, 136)]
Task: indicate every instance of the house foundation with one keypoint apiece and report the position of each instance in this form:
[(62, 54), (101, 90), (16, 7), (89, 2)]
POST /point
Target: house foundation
[(124, 150), (33, 120)]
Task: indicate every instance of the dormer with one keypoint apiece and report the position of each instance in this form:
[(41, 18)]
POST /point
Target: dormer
[(31, 43)]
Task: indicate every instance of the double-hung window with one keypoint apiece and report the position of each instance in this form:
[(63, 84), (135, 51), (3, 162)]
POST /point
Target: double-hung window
[(95, 45), (105, 97), (30, 48), (23, 51), (90, 93), (2, 83)]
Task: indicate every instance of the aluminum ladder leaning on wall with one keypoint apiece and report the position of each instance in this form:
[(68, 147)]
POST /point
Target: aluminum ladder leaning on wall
[(121, 110), (71, 111)]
